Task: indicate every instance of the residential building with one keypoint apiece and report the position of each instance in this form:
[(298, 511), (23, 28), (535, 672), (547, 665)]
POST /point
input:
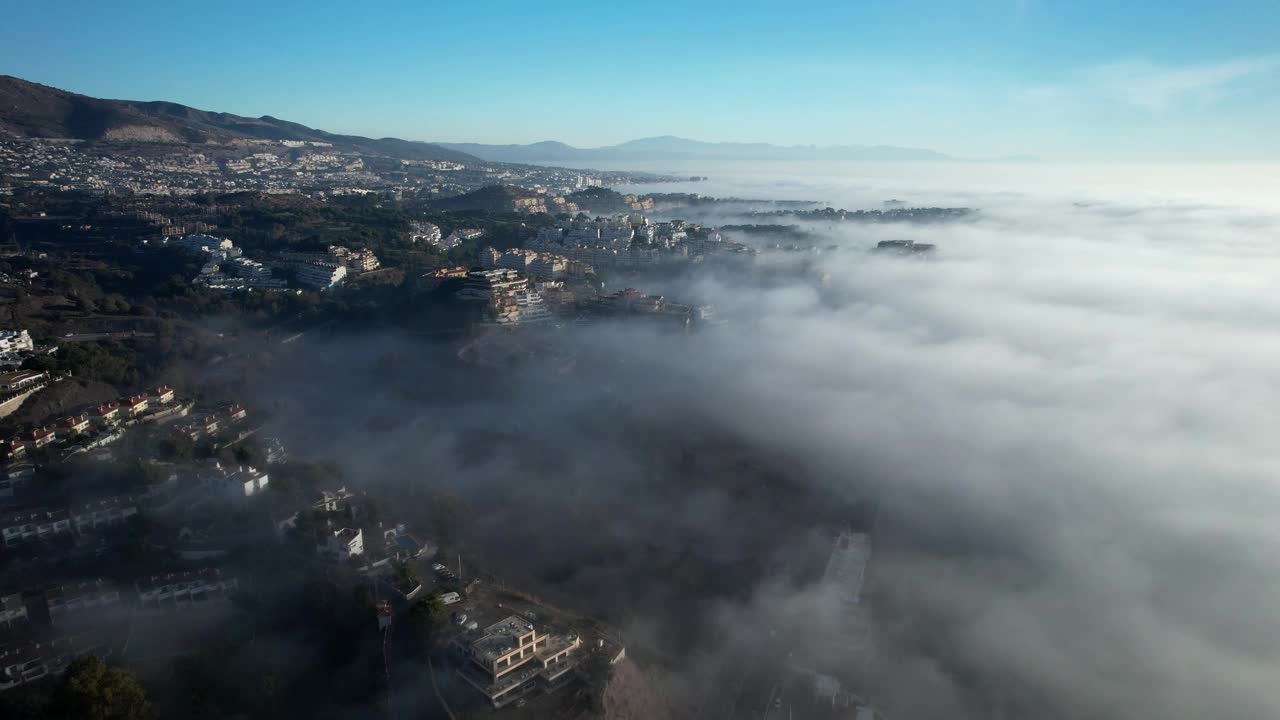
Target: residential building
[(332, 500), (15, 341), (13, 611), (13, 448), (510, 659), (426, 232), (345, 544), (15, 477), (30, 525), (359, 261), (202, 244), (321, 276), (235, 413), (135, 405), (37, 437), (73, 598), (242, 481), (519, 307), (107, 413), (73, 425), (162, 395), (22, 380), (485, 285), (461, 235), (105, 513), (198, 426), (435, 278), (187, 589), (26, 662)]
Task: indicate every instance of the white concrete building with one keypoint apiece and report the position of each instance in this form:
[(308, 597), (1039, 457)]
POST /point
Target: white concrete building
[(15, 341), (30, 525), (321, 276), (345, 544)]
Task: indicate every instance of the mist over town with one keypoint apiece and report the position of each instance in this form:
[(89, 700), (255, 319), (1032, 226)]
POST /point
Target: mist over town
[(594, 363)]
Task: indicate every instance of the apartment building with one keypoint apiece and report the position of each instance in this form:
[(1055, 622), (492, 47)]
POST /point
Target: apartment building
[(182, 590), (22, 663), (72, 425), (72, 599), (321, 275), (510, 658), (15, 341), (13, 611), (21, 380), (485, 285), (100, 514), (31, 525)]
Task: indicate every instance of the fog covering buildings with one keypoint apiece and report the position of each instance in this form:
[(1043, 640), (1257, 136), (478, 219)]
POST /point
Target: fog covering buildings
[(1063, 420)]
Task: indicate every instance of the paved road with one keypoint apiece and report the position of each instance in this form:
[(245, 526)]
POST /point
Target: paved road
[(90, 337)]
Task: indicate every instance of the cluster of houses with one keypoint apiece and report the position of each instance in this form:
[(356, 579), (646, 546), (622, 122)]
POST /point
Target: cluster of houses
[(631, 242), (210, 424), (153, 404), (72, 610)]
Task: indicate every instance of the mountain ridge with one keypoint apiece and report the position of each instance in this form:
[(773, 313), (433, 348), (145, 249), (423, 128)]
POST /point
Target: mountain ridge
[(31, 109), (670, 147)]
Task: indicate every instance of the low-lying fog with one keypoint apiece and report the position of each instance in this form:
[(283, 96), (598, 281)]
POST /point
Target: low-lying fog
[(1067, 416)]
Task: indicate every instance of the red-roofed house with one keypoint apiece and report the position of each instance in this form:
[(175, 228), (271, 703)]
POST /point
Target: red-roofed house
[(12, 448), (210, 424), (108, 412), (136, 405), (37, 438), (73, 424), (236, 412), (163, 394)]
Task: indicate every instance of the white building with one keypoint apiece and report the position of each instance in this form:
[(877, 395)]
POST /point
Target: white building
[(247, 481), (15, 341), (510, 659), (425, 232), (30, 525), (321, 275), (203, 244), (345, 544)]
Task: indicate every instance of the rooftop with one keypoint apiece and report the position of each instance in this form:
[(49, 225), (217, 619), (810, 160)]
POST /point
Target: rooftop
[(501, 637)]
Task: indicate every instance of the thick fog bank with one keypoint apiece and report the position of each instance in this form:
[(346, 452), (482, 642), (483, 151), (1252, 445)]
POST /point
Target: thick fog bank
[(1065, 415)]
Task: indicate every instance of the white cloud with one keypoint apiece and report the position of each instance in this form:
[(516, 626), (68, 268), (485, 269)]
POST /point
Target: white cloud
[(1154, 87)]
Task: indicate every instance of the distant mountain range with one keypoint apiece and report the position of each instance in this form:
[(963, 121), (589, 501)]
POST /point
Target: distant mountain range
[(33, 110), (675, 148)]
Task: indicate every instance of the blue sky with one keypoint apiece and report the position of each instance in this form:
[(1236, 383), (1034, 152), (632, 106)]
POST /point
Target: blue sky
[(1083, 80)]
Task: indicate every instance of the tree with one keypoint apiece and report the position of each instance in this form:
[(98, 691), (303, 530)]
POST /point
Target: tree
[(407, 576), (425, 617), (92, 690)]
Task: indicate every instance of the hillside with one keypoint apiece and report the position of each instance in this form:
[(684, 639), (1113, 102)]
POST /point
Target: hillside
[(492, 198), (33, 110)]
